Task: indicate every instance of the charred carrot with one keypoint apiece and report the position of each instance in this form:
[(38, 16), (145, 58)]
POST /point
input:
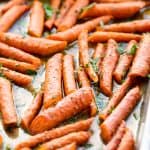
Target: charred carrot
[(33, 45), (129, 27), (72, 33), (7, 107), (66, 108), (36, 24), (125, 62), (108, 66), (32, 141), (55, 6), (9, 18), (53, 81), (32, 111), (118, 10), (115, 141), (119, 37), (116, 98), (127, 141), (67, 4), (68, 74), (121, 112), (78, 137), (140, 66), (18, 78), (84, 56), (71, 146), (71, 17), (17, 65)]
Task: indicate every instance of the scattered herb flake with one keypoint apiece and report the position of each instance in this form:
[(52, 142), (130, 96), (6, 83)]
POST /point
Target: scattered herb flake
[(93, 62), (8, 147), (31, 72), (133, 50), (121, 49), (111, 110), (135, 116), (88, 7), (48, 10), (88, 145), (148, 76)]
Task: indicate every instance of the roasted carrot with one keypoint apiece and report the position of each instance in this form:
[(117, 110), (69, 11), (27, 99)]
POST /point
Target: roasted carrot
[(70, 18), (17, 65), (25, 148), (78, 137), (33, 45), (71, 146), (115, 141), (55, 6), (1, 140), (66, 108), (141, 63), (68, 74), (67, 4), (10, 4), (113, 1), (17, 54), (9, 18), (36, 24), (72, 33), (116, 98), (84, 56), (118, 10), (119, 37), (127, 141), (32, 141), (124, 62), (18, 78), (7, 107), (121, 112), (53, 80), (108, 66), (32, 111)]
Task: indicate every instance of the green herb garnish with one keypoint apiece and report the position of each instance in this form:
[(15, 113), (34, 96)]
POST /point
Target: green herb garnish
[(31, 72), (8, 147), (133, 50), (135, 116), (48, 10), (94, 62), (88, 7), (88, 145), (111, 110), (148, 76), (121, 49)]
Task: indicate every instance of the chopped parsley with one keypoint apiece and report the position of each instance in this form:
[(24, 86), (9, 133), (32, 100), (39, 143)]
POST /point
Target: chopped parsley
[(148, 76), (133, 50), (121, 49), (135, 116), (31, 72), (48, 10), (88, 7), (88, 145), (94, 62)]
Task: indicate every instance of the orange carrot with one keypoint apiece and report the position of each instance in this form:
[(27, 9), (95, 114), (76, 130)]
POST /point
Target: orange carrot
[(17, 65), (18, 78), (55, 6), (107, 67), (25, 148), (72, 33), (78, 137), (33, 45), (118, 10), (129, 27), (32, 111), (63, 11), (84, 56), (33, 141), (121, 112), (9, 18), (141, 63), (124, 62), (68, 74), (71, 146), (119, 37), (1, 140), (7, 107), (114, 1), (53, 81), (65, 109), (36, 24), (71, 17), (17, 54)]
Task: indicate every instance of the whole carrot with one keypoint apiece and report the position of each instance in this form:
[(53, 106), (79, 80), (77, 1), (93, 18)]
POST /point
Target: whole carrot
[(7, 107), (65, 109), (68, 74), (121, 112), (118, 10), (25, 148), (33, 45), (33, 141), (72, 34), (71, 146), (113, 1), (129, 27), (119, 37), (17, 54), (9, 18), (55, 6), (107, 67), (71, 17), (36, 24), (67, 4), (53, 80), (1, 140)]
